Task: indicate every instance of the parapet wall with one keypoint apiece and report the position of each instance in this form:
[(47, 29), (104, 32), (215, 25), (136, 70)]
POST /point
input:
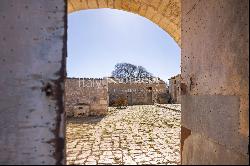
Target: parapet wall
[(84, 97)]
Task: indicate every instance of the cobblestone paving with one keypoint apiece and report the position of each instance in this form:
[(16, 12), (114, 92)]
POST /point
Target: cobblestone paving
[(135, 135)]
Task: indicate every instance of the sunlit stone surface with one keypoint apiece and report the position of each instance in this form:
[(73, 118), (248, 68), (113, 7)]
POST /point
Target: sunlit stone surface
[(144, 134)]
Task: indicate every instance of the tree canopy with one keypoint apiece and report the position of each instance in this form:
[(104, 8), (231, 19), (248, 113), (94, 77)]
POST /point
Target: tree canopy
[(127, 70)]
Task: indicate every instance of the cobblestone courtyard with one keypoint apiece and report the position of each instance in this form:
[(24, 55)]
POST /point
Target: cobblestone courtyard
[(144, 134)]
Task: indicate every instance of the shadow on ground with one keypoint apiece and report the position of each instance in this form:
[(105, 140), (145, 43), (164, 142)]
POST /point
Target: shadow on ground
[(85, 120)]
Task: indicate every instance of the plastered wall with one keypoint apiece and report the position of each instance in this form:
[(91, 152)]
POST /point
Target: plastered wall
[(215, 73), (32, 69)]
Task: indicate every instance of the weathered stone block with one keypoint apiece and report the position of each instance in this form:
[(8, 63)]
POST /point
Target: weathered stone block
[(81, 111)]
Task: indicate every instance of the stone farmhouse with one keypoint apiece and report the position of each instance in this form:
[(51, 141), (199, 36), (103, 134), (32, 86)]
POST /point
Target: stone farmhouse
[(175, 89), (92, 96)]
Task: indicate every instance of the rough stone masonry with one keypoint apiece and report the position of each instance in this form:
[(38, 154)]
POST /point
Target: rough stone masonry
[(86, 97), (92, 96)]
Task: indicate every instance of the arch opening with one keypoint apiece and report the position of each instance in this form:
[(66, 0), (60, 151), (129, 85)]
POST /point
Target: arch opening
[(131, 96), (166, 14)]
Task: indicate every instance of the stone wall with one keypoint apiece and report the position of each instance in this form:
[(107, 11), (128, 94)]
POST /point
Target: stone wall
[(175, 89), (215, 82), (86, 97), (135, 93)]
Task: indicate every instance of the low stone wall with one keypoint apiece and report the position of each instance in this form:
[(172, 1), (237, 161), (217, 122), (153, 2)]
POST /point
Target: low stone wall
[(86, 97)]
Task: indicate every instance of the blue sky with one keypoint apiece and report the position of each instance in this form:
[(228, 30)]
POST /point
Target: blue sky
[(100, 38)]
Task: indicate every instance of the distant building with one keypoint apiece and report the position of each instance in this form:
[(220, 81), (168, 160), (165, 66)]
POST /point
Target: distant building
[(175, 89), (92, 96), (137, 92)]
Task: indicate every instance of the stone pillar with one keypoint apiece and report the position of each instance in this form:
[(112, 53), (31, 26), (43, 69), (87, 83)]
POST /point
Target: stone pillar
[(32, 69), (215, 72)]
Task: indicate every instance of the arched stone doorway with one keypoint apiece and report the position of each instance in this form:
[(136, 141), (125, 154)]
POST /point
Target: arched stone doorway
[(215, 72), (165, 14)]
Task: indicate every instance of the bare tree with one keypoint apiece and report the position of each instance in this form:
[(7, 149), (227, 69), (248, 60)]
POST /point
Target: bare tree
[(143, 73), (127, 70)]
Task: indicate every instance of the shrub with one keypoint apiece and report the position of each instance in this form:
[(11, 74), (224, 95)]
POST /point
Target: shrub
[(120, 102)]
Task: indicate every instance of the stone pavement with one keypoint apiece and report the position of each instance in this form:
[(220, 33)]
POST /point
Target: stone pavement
[(144, 134)]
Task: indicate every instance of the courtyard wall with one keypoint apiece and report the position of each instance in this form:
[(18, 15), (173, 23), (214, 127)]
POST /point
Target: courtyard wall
[(86, 97)]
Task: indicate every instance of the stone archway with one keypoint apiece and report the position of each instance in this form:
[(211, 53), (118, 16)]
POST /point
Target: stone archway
[(215, 71), (164, 13), (215, 109)]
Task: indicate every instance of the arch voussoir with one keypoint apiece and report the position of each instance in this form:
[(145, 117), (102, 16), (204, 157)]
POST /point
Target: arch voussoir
[(165, 13)]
